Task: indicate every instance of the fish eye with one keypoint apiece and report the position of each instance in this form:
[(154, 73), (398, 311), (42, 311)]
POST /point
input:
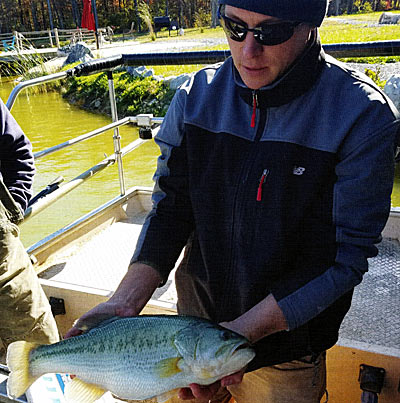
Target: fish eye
[(225, 335)]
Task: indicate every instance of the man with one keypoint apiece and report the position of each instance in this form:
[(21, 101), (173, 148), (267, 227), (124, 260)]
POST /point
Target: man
[(25, 312), (276, 173)]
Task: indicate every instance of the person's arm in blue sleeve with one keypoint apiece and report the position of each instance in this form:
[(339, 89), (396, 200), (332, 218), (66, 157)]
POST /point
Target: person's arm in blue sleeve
[(361, 209), (17, 167)]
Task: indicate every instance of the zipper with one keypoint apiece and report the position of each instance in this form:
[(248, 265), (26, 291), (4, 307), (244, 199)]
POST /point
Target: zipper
[(261, 183), (254, 114), (238, 203)]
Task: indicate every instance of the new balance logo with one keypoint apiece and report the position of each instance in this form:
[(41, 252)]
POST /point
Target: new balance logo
[(298, 170)]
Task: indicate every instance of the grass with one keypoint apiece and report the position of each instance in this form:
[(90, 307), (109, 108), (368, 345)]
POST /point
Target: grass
[(333, 30), (190, 33), (176, 70)]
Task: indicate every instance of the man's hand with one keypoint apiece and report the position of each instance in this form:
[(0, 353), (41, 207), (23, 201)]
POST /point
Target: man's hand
[(263, 319), (260, 321), (129, 299), (97, 315), (195, 391)]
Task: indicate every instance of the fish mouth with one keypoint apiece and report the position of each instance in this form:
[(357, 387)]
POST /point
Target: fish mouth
[(244, 345), (241, 354)]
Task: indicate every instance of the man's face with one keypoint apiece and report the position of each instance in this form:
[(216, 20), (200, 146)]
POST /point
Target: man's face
[(260, 65)]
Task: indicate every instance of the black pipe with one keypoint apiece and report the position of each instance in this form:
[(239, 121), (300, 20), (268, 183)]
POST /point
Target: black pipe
[(200, 57), (95, 66), (363, 49), (356, 49), (360, 49)]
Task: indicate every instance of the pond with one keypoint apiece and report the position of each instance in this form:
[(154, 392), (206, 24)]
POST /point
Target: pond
[(48, 120)]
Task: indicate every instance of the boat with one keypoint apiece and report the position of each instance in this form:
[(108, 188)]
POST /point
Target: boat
[(81, 264)]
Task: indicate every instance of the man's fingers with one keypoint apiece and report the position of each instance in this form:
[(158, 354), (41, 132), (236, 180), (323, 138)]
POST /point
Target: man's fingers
[(185, 394), (233, 379), (92, 319), (72, 333), (195, 391), (89, 321), (204, 392)]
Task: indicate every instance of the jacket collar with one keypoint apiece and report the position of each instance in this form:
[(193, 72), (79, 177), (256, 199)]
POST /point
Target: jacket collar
[(298, 79)]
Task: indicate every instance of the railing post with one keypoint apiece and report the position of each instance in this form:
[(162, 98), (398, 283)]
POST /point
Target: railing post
[(79, 35), (50, 38), (17, 43), (57, 38), (110, 33), (117, 137), (101, 38)]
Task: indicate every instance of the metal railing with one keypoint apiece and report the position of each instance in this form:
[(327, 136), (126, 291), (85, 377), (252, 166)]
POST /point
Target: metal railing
[(56, 37), (145, 121)]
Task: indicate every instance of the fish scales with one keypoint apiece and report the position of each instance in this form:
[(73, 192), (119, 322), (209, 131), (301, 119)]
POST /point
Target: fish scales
[(141, 357), (111, 354)]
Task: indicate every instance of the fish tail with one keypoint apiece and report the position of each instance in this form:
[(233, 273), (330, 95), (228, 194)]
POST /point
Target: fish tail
[(18, 363)]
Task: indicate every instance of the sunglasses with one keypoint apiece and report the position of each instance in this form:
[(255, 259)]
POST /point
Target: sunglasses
[(267, 34)]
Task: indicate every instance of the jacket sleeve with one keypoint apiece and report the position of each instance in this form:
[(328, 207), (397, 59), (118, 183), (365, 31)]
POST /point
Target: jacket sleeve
[(16, 159), (170, 222), (361, 208)]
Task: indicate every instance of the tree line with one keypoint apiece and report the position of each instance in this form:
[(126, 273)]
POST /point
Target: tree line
[(338, 7), (37, 15)]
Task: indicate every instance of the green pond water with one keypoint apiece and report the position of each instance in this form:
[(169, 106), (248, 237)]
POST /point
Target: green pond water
[(48, 120)]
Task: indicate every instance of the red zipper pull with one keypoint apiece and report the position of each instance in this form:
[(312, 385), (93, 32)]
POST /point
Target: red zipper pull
[(260, 185), (253, 116)]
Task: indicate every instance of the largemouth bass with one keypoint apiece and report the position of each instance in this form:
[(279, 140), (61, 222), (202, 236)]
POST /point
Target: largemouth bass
[(135, 358)]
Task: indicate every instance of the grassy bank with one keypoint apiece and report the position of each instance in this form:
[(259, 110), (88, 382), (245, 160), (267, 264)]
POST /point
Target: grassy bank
[(133, 95)]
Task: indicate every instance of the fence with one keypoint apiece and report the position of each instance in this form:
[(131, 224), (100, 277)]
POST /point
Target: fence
[(17, 41)]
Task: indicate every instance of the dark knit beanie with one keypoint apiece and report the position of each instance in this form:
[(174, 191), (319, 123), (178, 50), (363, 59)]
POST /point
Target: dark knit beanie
[(310, 11)]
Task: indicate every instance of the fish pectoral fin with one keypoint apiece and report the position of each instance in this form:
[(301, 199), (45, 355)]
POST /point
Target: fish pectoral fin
[(80, 391), (168, 367), (167, 395)]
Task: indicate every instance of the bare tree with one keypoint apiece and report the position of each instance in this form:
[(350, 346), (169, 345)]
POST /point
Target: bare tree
[(214, 16)]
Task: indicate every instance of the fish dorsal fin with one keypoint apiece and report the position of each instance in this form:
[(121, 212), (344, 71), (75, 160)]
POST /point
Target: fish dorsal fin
[(78, 391), (167, 395), (168, 367)]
